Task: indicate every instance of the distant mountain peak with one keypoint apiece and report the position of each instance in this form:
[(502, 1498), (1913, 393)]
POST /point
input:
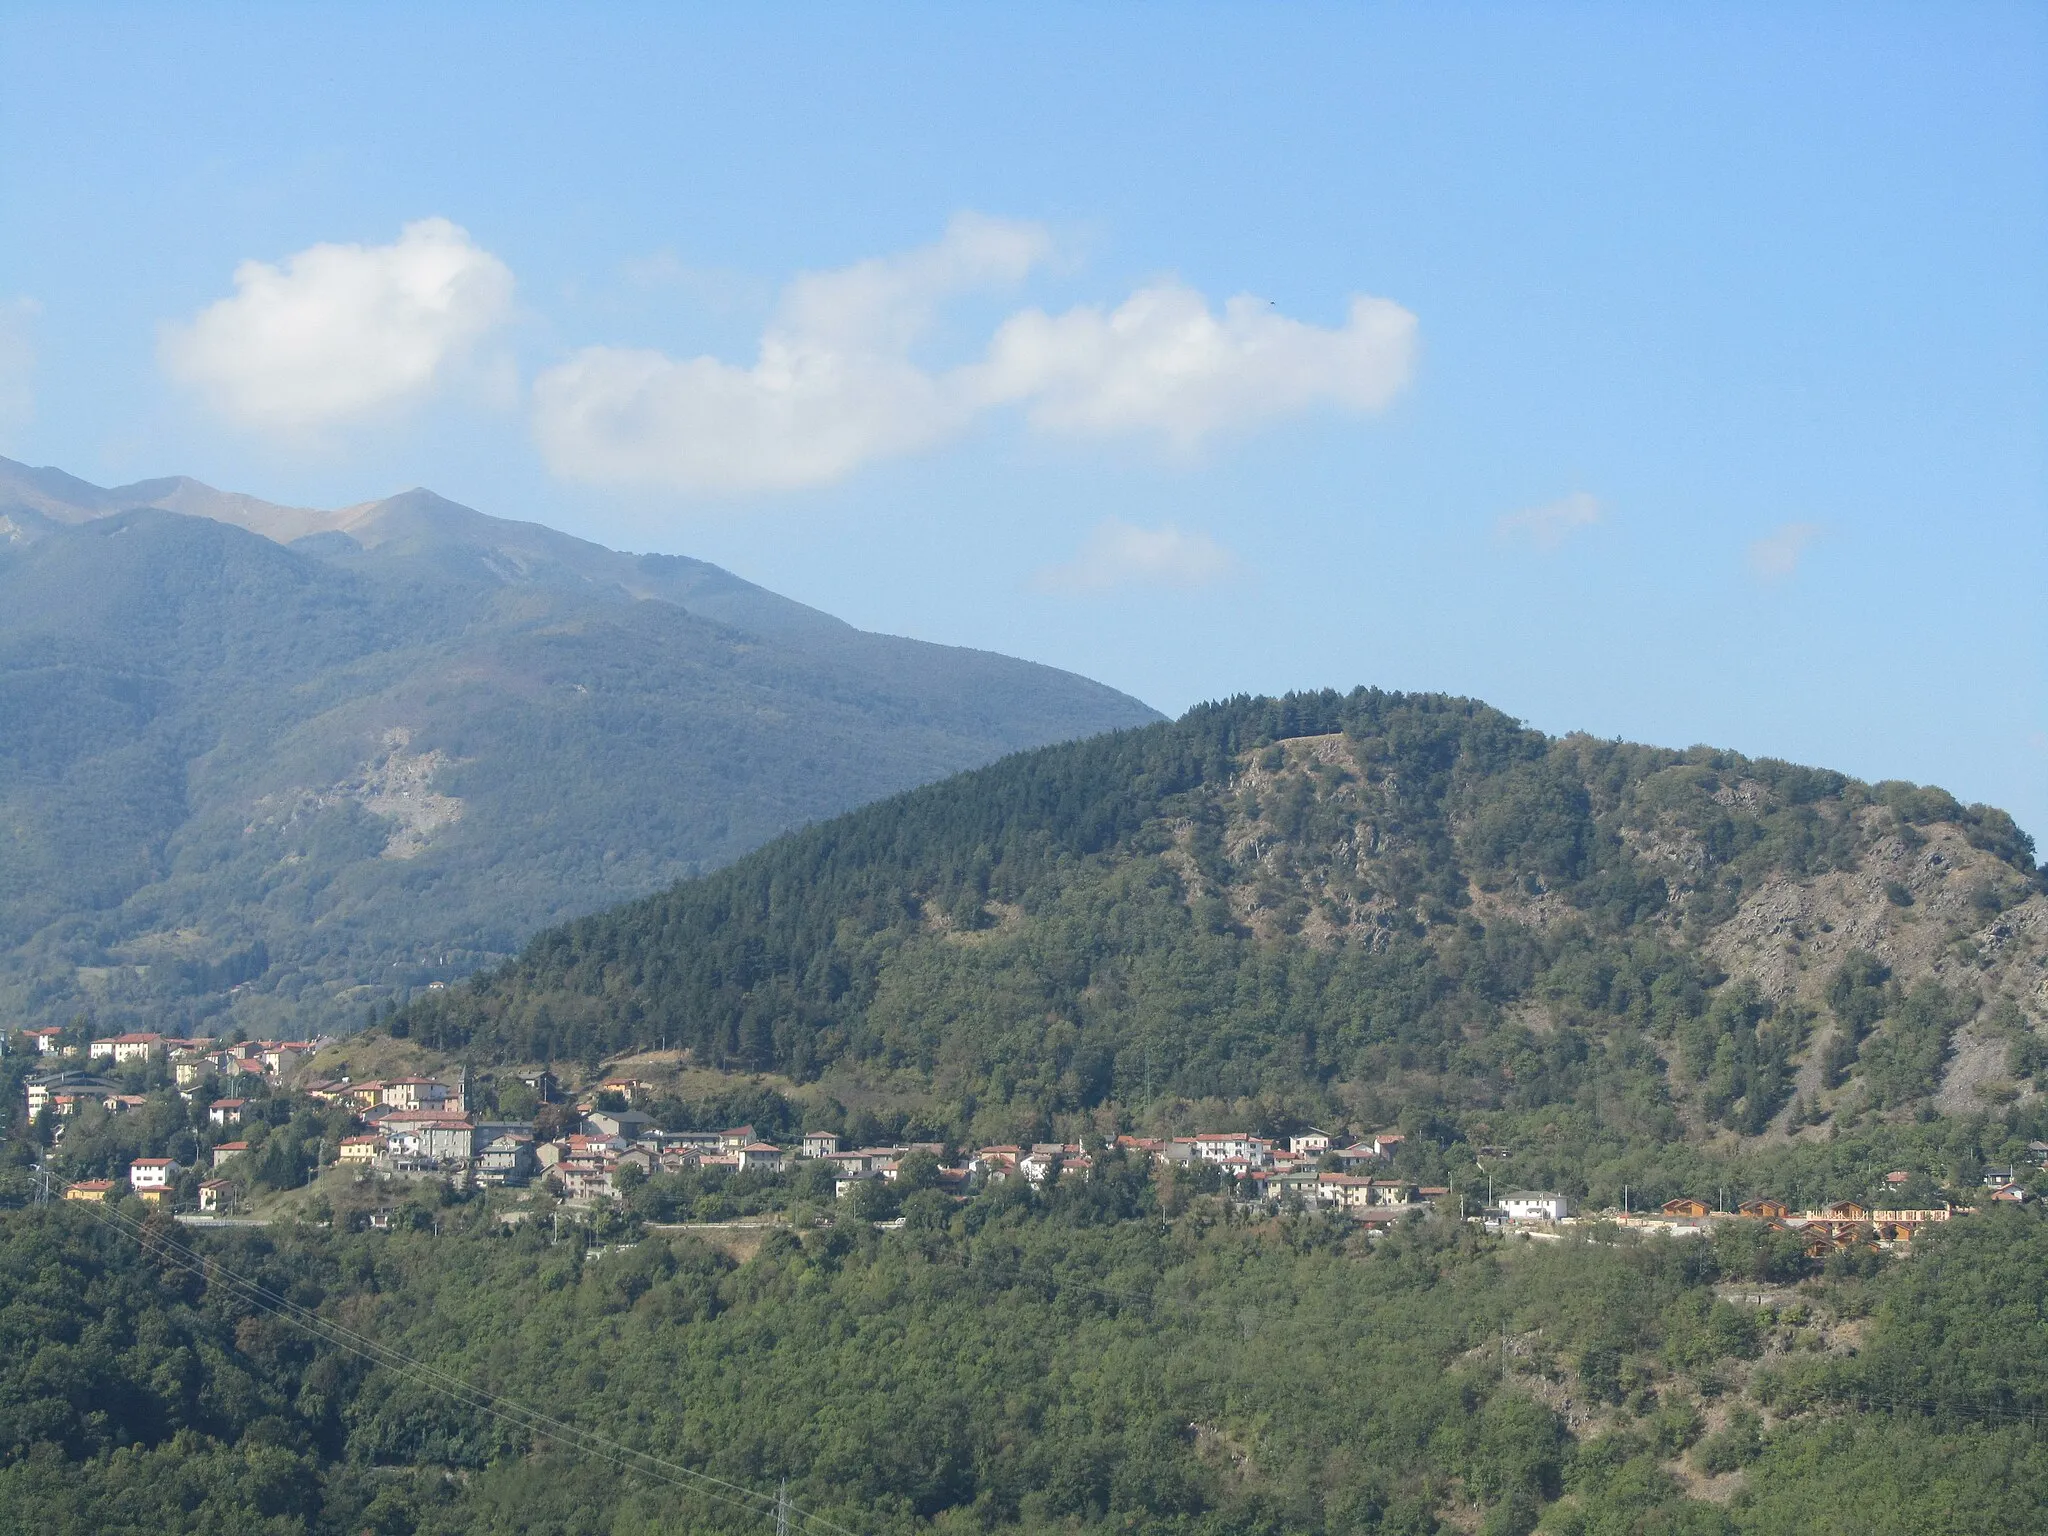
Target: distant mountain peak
[(199, 691)]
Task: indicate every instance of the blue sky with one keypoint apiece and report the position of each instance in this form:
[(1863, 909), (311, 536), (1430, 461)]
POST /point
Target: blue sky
[(1673, 372)]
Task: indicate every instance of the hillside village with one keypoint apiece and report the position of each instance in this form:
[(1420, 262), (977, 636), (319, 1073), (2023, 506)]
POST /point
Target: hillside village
[(590, 1150)]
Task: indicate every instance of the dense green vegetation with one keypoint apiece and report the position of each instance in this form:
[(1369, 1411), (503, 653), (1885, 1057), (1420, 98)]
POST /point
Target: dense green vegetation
[(1370, 907), (210, 744), (1109, 1356)]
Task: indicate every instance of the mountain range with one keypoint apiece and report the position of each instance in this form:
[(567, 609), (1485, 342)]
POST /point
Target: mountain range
[(265, 766)]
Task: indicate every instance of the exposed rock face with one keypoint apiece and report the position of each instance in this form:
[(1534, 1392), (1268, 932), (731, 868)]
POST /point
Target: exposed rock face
[(1315, 844), (399, 787)]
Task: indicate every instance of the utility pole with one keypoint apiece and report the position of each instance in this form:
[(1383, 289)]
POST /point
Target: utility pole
[(782, 1509)]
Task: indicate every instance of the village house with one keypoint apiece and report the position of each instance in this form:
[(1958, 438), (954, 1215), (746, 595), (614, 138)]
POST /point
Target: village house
[(820, 1143), (1687, 1206), (628, 1123), (448, 1138), (216, 1196), (439, 1137), (122, 1049), (121, 1103), (642, 1158), (1533, 1205), (414, 1093), (150, 1177), (1225, 1146), (762, 1155), (994, 1164), (228, 1149), (869, 1159), (361, 1150), (584, 1165), (226, 1111), (1344, 1191), (44, 1088), (1310, 1143), (90, 1189), (281, 1058), (691, 1144), (506, 1160), (47, 1039), (585, 1177), (193, 1071), (731, 1141), (1765, 1209)]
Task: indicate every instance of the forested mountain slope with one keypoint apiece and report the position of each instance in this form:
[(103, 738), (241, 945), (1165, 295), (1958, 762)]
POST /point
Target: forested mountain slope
[(267, 783), (1083, 1361), (1367, 907)]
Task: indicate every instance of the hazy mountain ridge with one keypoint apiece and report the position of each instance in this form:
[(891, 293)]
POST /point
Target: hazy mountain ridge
[(387, 751), (1370, 906)]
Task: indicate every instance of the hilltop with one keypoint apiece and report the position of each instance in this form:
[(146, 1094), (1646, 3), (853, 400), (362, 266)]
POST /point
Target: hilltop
[(266, 766), (1369, 908)]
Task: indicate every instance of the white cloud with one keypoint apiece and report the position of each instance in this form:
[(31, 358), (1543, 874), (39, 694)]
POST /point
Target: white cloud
[(801, 416), (1163, 362), (17, 364), (1776, 555), (1551, 524), (832, 388), (339, 331), (1119, 554), (834, 385)]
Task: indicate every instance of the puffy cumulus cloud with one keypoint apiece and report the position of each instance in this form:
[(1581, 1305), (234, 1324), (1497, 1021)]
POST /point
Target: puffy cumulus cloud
[(832, 388), (1776, 555), (17, 364), (339, 331), (1551, 524), (835, 386), (1118, 554), (884, 304), (1164, 362), (803, 415)]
